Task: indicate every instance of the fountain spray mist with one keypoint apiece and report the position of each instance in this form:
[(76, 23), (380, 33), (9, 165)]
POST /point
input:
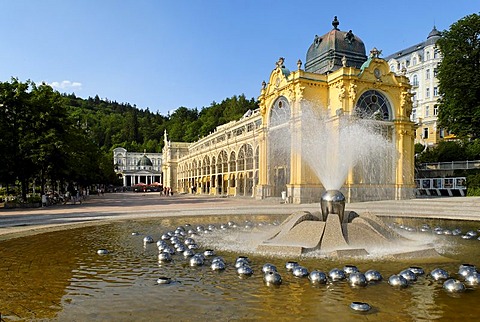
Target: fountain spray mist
[(333, 145)]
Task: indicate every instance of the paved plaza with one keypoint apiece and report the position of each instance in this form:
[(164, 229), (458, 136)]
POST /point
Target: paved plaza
[(121, 206)]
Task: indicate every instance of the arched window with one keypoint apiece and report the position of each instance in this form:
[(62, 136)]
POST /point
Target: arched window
[(415, 80), (373, 105), (280, 112)]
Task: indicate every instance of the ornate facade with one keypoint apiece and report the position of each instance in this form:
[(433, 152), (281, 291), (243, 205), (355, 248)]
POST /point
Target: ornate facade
[(339, 79), (419, 63), (136, 168)]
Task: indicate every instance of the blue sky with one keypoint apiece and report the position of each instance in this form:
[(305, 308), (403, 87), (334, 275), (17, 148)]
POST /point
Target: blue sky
[(166, 54)]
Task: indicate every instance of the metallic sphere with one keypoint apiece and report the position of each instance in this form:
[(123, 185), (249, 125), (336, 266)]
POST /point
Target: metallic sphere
[(439, 274), (102, 251), (417, 270), (473, 278), (209, 252), (300, 271), (290, 265), (272, 278), (317, 277), (164, 257), (245, 270), (241, 262), (218, 266), (164, 280), (196, 260), (180, 248), (466, 269), (148, 240), (453, 286), (408, 275), (269, 268), (373, 276), (188, 253), (189, 241), (357, 279), (336, 274), (349, 269), (398, 281), (360, 306)]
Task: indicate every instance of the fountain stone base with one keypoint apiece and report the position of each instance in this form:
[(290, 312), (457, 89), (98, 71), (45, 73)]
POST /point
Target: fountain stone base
[(303, 232)]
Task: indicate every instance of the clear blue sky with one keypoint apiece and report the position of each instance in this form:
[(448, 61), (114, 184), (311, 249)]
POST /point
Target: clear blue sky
[(164, 54)]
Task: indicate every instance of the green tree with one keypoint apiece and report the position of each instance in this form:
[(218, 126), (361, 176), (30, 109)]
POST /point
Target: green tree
[(459, 78)]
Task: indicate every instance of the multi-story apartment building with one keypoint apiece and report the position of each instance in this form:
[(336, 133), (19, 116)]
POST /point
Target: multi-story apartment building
[(419, 63)]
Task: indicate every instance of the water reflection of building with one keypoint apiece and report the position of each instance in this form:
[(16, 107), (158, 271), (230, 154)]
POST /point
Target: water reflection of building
[(136, 167), (340, 79)]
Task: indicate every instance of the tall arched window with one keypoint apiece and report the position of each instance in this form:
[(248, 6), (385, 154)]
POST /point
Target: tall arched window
[(280, 112)]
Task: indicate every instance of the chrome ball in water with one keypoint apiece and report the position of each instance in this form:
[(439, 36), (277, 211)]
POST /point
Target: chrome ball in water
[(209, 252), (290, 265), (300, 271), (360, 306), (102, 252), (417, 270), (397, 281), (453, 286), (373, 276), (241, 262), (272, 278), (473, 278), (245, 270), (357, 279), (161, 243), (148, 240), (466, 269), (196, 260), (439, 274), (188, 253), (218, 266), (349, 269), (164, 280), (269, 268), (317, 277), (336, 274), (408, 275), (189, 241), (164, 257)]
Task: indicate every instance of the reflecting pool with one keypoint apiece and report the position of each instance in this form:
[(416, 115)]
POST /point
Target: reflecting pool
[(59, 276)]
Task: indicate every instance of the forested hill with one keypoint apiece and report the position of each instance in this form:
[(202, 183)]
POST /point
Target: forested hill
[(112, 124), (46, 136)]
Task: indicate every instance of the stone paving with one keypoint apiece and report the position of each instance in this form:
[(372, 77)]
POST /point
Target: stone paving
[(119, 206)]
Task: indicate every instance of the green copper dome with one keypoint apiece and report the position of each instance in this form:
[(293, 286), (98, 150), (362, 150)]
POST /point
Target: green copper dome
[(326, 53), (144, 162)]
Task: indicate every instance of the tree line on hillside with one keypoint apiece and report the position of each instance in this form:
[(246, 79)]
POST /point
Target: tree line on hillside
[(46, 136)]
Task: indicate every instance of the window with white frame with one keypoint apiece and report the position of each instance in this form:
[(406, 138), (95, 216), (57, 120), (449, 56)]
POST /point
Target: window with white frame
[(435, 91), (435, 110), (427, 74), (427, 111), (427, 93)]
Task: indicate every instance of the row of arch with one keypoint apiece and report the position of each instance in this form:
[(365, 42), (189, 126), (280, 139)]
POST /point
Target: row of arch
[(228, 172)]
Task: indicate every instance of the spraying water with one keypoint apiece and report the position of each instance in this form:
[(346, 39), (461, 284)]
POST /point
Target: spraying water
[(335, 145)]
